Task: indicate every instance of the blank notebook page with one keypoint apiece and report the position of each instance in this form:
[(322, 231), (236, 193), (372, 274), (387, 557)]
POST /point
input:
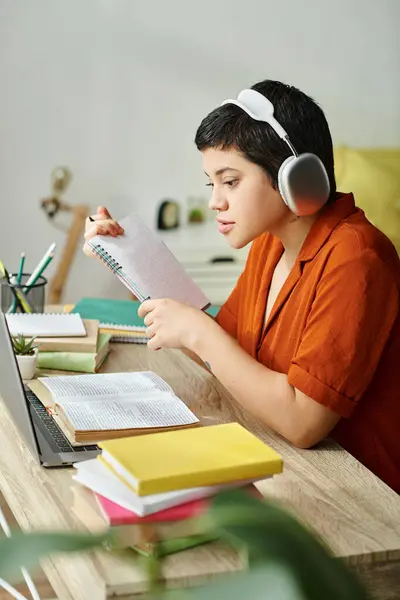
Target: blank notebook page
[(46, 325)]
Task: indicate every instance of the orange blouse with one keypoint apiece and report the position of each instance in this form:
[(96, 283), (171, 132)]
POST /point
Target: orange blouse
[(334, 328)]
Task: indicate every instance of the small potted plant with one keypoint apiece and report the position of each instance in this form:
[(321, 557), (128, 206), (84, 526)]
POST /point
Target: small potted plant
[(26, 353), (196, 215)]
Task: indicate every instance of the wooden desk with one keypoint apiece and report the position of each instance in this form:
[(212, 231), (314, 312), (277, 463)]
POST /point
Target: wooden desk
[(354, 512)]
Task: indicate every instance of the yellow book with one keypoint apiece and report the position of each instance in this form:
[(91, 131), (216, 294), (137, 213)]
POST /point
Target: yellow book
[(176, 460)]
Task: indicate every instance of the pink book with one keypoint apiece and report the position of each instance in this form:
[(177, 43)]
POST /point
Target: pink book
[(115, 514)]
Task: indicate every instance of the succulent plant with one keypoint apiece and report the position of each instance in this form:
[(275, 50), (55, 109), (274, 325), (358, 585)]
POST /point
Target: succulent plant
[(22, 345)]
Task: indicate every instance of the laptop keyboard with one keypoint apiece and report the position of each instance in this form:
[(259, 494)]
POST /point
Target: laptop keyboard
[(52, 428)]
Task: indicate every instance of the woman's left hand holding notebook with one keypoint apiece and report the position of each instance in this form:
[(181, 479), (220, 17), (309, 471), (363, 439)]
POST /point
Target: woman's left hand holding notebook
[(100, 223)]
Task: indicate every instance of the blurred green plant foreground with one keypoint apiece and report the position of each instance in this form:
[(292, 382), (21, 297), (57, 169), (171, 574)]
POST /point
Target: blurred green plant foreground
[(286, 562)]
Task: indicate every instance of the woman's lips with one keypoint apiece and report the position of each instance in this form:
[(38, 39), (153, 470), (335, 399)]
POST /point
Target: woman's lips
[(225, 227)]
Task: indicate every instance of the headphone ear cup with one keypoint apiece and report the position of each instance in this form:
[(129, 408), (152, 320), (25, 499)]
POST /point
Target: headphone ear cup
[(283, 184), (304, 184)]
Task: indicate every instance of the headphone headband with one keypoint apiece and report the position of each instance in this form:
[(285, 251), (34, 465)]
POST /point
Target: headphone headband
[(302, 180), (259, 108)]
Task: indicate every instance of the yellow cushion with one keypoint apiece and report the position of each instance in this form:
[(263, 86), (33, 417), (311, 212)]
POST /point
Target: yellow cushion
[(388, 158), (376, 189), (339, 156)]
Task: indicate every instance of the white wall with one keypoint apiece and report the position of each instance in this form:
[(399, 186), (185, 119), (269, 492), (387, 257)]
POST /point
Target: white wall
[(116, 88)]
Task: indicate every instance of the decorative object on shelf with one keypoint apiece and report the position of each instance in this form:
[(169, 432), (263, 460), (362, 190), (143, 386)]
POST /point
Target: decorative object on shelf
[(26, 354), (168, 215), (197, 207), (196, 215), (60, 180)]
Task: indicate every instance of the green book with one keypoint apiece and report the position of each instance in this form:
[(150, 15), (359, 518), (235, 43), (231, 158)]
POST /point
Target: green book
[(81, 362), (119, 314), (175, 545)]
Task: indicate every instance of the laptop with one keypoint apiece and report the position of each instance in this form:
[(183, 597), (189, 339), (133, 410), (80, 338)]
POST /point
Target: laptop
[(43, 436)]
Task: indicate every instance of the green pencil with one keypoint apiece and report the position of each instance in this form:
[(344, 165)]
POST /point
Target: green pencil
[(19, 277), (38, 273)]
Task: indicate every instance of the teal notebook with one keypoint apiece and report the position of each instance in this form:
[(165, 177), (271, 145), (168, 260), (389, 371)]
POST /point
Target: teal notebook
[(213, 310), (117, 314)]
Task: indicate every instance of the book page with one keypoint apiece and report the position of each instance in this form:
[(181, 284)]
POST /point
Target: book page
[(81, 388), (146, 260), (157, 409)]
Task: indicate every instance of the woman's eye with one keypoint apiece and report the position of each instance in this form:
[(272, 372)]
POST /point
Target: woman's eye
[(231, 182), (209, 184)]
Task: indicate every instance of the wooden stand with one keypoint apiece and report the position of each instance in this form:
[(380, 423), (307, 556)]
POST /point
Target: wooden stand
[(74, 237)]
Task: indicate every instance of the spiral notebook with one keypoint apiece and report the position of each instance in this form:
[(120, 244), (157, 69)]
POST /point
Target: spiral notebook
[(46, 325), (145, 265), (117, 317)]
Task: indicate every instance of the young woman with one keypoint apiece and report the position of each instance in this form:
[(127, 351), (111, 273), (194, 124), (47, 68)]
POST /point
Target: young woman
[(309, 339)]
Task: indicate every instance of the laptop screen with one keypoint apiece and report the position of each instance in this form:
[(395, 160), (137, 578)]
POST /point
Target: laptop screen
[(12, 389)]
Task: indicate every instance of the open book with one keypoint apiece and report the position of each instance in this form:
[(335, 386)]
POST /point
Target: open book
[(145, 265), (92, 408)]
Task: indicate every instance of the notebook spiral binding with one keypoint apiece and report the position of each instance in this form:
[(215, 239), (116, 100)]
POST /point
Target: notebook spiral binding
[(116, 269), (122, 339), (114, 266)]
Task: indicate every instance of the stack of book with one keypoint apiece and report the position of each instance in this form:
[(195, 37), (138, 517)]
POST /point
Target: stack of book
[(80, 354), (153, 488), (118, 318)]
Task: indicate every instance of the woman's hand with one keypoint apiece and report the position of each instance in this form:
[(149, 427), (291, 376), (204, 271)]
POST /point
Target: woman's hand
[(172, 324), (102, 223)]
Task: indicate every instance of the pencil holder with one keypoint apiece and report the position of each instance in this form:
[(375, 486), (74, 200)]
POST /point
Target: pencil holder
[(34, 296)]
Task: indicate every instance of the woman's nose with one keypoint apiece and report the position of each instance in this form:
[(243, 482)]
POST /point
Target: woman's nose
[(218, 200)]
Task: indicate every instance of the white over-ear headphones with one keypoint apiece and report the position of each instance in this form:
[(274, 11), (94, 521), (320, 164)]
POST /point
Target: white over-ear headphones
[(302, 179)]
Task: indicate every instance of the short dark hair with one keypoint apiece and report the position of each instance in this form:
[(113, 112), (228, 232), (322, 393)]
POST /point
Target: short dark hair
[(228, 126)]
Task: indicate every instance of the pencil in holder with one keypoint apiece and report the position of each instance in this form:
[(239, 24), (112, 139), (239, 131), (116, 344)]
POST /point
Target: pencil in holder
[(34, 296)]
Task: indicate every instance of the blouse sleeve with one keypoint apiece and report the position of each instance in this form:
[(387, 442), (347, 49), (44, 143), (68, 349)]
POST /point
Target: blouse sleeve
[(356, 305)]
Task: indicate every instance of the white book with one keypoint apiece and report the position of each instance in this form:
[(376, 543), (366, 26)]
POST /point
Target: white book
[(145, 265), (46, 324), (94, 475)]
